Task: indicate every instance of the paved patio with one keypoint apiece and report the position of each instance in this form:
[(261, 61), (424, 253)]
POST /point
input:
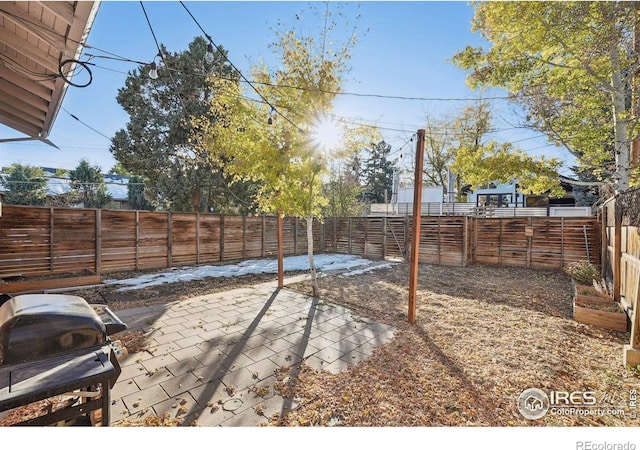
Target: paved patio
[(211, 359)]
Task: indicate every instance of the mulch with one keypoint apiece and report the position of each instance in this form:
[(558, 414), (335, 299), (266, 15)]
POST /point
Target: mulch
[(483, 335)]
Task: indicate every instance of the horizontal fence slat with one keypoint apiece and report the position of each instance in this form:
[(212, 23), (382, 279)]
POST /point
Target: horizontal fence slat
[(30, 246)]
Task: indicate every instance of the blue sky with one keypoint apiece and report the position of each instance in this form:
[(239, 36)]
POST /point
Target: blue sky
[(403, 51)]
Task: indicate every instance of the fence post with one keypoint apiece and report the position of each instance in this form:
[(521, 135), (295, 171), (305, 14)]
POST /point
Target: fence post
[(51, 237), (169, 238), (366, 234), (384, 237), (280, 252), (604, 241), (98, 240), (474, 245), (221, 237), (295, 236), (350, 238), (406, 235), (631, 352), (465, 240), (530, 242), (264, 223), (137, 238), (244, 236), (439, 241), (617, 250), (562, 242), (198, 238), (500, 243)]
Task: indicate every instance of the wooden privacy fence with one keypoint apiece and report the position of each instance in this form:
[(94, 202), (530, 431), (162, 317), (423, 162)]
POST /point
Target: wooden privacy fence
[(535, 242), (38, 241), (41, 241), (620, 224)]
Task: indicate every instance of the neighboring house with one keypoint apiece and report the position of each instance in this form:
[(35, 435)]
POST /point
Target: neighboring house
[(499, 200), (117, 187), (499, 196), (507, 196), (47, 37)]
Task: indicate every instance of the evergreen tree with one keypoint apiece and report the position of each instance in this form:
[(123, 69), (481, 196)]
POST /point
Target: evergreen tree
[(160, 143), (88, 183), (136, 196), (118, 169), (378, 174), (26, 185)]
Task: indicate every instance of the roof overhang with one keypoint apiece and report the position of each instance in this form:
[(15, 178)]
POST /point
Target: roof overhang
[(35, 37)]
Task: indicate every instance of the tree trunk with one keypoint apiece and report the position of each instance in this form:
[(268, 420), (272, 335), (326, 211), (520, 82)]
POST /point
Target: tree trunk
[(620, 125), (312, 265), (635, 86), (196, 196)]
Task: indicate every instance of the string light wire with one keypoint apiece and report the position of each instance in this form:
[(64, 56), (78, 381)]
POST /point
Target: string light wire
[(250, 83)]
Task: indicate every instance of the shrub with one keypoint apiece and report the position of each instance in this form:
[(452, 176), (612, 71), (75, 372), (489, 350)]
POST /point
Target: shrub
[(583, 272)]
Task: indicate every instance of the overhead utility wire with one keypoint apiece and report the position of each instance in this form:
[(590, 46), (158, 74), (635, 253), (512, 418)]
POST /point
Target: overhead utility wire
[(399, 149), (55, 33), (173, 81), (175, 84), (250, 83), (114, 58), (359, 94), (393, 97), (85, 124)]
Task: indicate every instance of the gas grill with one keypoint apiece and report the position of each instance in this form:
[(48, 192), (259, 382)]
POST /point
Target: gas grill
[(57, 345)]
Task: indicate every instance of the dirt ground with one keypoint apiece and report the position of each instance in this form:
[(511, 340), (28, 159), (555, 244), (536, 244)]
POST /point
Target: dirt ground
[(483, 335)]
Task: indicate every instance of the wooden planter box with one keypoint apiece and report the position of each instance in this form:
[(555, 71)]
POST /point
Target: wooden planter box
[(38, 285), (592, 308)]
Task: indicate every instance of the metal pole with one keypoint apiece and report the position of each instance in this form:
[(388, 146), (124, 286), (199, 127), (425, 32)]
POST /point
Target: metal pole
[(415, 239), (586, 242)]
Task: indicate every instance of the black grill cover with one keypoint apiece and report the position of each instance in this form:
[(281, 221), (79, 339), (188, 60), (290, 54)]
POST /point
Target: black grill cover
[(36, 326)]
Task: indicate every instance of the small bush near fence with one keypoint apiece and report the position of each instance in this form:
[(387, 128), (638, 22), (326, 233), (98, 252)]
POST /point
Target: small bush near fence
[(583, 272)]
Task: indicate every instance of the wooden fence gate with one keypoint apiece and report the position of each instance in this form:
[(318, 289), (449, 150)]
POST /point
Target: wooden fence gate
[(620, 226)]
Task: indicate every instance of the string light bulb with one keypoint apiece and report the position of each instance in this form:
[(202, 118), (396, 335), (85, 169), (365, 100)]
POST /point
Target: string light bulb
[(153, 71), (270, 120), (153, 67), (208, 57)]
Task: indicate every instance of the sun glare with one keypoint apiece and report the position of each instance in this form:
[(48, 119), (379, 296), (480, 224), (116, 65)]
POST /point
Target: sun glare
[(327, 133)]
